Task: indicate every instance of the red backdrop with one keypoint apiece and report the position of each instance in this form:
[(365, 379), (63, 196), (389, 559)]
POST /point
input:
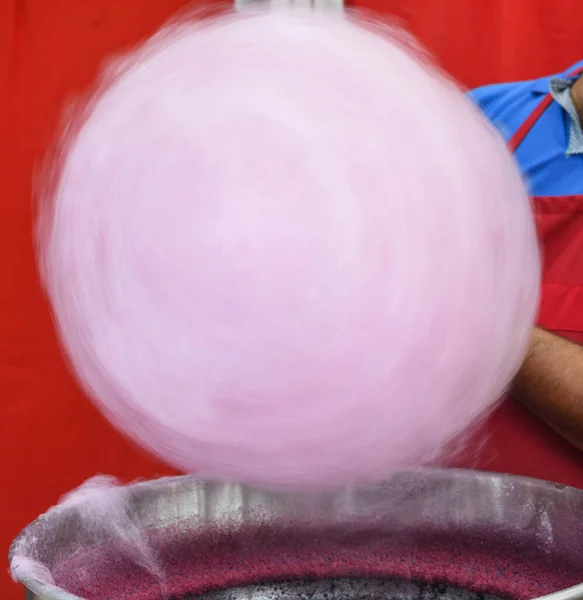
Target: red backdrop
[(51, 438)]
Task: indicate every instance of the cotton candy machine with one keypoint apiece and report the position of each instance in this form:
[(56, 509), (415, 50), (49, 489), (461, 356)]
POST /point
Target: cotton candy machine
[(427, 534)]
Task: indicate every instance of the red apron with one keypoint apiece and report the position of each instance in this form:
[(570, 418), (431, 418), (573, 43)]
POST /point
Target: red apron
[(516, 441)]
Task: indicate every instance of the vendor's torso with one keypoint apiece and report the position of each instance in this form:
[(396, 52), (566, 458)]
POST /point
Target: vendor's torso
[(514, 441)]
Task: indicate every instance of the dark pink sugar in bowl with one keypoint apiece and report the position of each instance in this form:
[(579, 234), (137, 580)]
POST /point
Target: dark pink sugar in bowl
[(429, 534)]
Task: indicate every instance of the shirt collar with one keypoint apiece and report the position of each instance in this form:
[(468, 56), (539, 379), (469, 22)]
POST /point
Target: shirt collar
[(558, 85), (560, 90), (542, 85)]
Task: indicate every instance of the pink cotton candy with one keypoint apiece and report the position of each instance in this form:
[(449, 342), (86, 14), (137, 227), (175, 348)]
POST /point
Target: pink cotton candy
[(283, 249)]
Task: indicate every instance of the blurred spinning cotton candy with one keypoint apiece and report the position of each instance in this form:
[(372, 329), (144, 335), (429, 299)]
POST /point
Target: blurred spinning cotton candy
[(283, 249)]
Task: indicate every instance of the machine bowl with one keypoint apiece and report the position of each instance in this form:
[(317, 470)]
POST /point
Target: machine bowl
[(427, 534)]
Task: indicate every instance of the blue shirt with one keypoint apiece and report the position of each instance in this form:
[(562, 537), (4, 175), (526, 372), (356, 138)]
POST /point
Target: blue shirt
[(543, 156)]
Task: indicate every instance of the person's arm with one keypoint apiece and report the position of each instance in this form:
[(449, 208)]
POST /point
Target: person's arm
[(550, 384)]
